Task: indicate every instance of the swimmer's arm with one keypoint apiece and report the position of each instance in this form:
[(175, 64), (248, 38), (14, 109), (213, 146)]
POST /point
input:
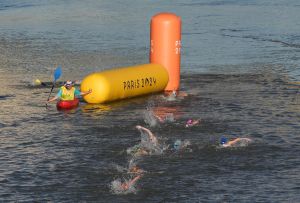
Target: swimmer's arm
[(145, 129), (126, 186), (233, 141), (134, 180), (196, 121), (150, 134), (238, 140)]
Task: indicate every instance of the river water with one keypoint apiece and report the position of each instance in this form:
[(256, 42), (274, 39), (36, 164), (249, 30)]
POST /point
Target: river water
[(240, 64)]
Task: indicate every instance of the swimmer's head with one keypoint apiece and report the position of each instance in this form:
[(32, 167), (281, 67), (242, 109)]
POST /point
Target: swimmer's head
[(223, 140), (177, 144), (189, 122), (134, 169), (174, 93)]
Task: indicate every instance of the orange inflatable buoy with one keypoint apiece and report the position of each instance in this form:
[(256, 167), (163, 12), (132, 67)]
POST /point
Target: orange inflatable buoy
[(165, 46)]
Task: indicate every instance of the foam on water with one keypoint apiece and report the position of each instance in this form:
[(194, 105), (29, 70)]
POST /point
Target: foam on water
[(149, 118)]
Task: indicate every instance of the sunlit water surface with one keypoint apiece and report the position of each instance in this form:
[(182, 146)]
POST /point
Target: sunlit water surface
[(240, 62)]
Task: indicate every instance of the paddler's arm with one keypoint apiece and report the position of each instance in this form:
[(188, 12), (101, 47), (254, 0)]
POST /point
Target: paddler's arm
[(52, 99), (85, 93), (57, 96)]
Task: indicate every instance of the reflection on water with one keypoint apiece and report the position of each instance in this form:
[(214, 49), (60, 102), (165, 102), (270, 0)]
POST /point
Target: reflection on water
[(95, 108)]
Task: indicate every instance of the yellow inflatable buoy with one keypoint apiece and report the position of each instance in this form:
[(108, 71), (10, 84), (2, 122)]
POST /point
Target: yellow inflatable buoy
[(125, 82), (37, 82)]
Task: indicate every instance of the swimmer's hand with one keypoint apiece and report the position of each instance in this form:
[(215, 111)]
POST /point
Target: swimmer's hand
[(138, 127), (125, 186)]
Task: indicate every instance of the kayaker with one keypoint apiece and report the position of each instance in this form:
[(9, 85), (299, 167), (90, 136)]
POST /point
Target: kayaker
[(68, 92)]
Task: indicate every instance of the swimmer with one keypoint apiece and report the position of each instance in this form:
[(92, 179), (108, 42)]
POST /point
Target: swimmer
[(130, 183), (136, 170), (149, 145), (170, 96), (181, 145), (169, 117), (177, 145), (152, 138), (224, 142), (128, 186), (191, 123), (174, 93)]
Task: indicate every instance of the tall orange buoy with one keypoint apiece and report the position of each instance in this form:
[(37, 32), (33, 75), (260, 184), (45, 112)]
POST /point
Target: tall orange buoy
[(165, 45)]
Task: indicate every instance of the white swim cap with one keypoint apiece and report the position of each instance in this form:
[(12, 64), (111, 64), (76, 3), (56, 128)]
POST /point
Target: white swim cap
[(69, 82)]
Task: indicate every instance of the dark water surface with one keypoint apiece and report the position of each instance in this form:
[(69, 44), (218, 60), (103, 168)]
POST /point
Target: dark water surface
[(239, 67)]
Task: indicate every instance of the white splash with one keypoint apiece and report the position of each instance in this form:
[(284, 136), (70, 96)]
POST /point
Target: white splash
[(117, 188), (149, 118)]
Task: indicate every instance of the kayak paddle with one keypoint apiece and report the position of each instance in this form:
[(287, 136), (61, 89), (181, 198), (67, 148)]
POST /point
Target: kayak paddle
[(56, 75)]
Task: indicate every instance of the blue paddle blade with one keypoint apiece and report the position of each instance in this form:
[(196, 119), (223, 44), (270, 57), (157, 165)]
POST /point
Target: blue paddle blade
[(57, 73)]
